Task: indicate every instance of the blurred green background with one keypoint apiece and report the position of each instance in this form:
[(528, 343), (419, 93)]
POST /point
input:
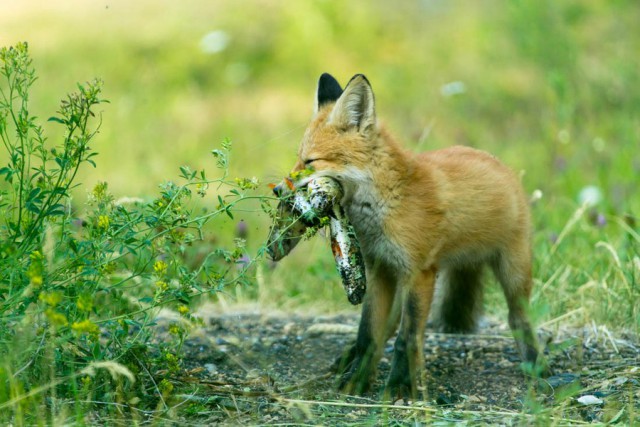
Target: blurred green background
[(549, 87)]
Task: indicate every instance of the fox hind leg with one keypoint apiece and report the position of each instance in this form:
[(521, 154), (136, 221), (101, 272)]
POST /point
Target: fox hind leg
[(513, 271)]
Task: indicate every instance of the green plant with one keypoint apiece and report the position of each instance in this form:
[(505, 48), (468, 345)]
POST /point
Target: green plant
[(82, 291)]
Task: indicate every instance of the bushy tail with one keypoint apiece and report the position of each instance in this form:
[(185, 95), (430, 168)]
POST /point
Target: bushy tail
[(458, 299)]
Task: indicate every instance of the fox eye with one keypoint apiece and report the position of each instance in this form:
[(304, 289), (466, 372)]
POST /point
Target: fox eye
[(309, 161)]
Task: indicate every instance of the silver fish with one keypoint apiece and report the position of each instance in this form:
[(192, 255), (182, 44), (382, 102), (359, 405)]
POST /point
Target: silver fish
[(308, 206)]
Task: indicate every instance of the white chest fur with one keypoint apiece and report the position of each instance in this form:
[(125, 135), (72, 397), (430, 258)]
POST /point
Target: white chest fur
[(367, 210)]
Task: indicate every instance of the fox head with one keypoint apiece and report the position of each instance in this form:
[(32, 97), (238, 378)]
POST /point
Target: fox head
[(338, 143), (339, 139)]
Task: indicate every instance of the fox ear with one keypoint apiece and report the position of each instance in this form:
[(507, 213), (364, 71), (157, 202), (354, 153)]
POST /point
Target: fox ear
[(329, 90), (356, 106)]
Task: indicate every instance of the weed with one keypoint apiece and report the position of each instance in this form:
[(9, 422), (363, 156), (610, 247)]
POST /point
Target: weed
[(79, 292)]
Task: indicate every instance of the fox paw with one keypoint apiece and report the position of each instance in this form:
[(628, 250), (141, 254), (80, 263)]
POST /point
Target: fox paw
[(353, 376), (353, 382), (344, 362), (537, 369), (399, 389)]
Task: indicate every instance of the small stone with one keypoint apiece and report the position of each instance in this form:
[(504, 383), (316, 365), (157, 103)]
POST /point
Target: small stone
[(589, 399), (473, 399), (399, 402), (620, 380), (288, 328), (330, 328)]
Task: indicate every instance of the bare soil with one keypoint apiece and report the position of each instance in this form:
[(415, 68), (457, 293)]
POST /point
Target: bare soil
[(268, 369)]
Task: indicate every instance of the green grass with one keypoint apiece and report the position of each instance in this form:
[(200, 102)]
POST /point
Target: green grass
[(549, 87)]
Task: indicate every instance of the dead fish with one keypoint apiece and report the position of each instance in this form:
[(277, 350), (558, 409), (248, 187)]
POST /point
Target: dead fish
[(310, 206)]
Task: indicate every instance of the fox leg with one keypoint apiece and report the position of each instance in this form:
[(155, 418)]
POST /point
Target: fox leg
[(408, 359), (394, 315), (513, 271), (358, 364)]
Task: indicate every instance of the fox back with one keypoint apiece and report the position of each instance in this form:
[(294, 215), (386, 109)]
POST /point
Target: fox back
[(446, 206)]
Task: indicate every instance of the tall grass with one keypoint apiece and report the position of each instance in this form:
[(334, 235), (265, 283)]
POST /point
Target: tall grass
[(80, 289)]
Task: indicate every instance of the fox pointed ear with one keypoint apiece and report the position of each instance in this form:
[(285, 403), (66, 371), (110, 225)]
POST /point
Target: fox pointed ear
[(329, 90), (356, 106)]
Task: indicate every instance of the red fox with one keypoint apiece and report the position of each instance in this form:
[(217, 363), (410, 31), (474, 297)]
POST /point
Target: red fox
[(427, 224)]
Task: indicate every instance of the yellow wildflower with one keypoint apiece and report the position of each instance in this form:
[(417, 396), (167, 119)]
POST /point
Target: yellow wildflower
[(85, 327), (162, 286), (85, 381), (56, 318), (160, 267), (247, 183), (84, 302), (103, 221), (201, 189), (35, 269), (100, 190), (166, 387), (183, 309), (51, 298), (296, 175), (36, 280)]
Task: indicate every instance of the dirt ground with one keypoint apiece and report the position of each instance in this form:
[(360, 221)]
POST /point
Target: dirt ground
[(274, 369)]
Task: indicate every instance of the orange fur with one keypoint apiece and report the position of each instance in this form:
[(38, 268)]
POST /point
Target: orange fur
[(423, 221)]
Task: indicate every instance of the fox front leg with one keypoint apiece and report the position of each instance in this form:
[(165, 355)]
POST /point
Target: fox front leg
[(358, 364), (408, 360)]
